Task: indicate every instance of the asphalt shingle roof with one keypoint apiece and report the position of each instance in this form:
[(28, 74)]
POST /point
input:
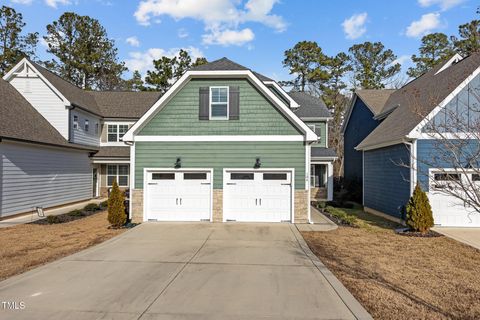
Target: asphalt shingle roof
[(375, 99), (19, 120), (418, 98), (225, 64), (113, 152), (323, 152), (310, 106)]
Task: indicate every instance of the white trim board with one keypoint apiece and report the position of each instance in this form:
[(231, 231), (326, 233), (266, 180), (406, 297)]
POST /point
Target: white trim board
[(293, 103), (309, 134), (217, 138)]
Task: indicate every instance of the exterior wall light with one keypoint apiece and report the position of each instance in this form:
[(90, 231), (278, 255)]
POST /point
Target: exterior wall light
[(258, 164), (178, 163)]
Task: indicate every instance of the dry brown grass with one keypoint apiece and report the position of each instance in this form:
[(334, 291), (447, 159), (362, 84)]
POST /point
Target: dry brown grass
[(398, 277), (24, 247)]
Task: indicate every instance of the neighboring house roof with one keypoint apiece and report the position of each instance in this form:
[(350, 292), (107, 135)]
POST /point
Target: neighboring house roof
[(310, 106), (375, 99), (113, 152), (225, 64), (419, 98), (19, 120), (108, 104), (323, 153), (113, 104)]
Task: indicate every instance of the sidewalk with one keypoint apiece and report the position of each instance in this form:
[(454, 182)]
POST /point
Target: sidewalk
[(27, 218), (320, 223)]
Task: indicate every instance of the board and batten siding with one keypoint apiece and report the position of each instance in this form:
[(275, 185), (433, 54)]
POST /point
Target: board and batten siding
[(321, 131), (257, 115), (33, 175), (386, 181), (79, 135), (44, 100), (220, 155), (359, 126)]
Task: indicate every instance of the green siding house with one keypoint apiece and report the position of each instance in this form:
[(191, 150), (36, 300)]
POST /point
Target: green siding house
[(228, 144)]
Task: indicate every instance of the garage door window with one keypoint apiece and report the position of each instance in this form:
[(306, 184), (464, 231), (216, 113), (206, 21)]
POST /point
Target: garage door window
[(241, 176), (195, 176), (163, 176), (274, 176), (118, 173)]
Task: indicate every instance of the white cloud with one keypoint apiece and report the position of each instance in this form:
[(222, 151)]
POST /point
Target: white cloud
[(143, 61), (220, 17), (354, 27), (404, 59), (133, 41), (228, 37), (443, 4), (182, 33), (22, 1), (427, 23), (55, 3)]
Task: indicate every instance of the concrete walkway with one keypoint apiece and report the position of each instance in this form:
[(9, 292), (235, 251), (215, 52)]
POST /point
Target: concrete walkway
[(320, 222), (27, 218), (186, 271), (469, 236)]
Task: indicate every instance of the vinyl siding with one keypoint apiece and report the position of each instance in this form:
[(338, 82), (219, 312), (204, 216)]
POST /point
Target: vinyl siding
[(360, 125), (432, 154), (220, 155), (321, 131), (32, 175), (44, 99), (386, 181), (257, 115), (79, 135)]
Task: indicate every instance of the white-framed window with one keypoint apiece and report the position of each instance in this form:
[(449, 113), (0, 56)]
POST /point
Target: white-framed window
[(118, 172), (75, 122), (116, 132), (219, 103), (86, 125)]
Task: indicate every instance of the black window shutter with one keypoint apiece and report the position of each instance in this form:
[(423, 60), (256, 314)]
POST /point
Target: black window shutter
[(234, 107), (204, 101)]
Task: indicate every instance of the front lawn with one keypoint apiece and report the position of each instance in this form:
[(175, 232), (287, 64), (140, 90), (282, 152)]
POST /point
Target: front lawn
[(24, 247), (400, 277)]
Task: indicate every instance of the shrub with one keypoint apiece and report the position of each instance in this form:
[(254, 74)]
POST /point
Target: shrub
[(76, 213), (342, 216), (419, 211), (104, 204), (53, 219), (116, 208), (91, 207)]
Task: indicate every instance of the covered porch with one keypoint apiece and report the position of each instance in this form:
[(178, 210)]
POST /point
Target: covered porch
[(321, 174)]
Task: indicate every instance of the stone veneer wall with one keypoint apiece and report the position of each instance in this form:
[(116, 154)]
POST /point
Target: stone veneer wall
[(137, 205), (301, 206), (217, 205)]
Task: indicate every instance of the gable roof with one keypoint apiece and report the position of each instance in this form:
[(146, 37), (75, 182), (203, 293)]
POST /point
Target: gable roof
[(19, 120), (310, 106), (417, 99), (225, 64), (125, 104), (375, 99)]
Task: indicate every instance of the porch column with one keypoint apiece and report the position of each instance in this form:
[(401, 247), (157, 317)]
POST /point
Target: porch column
[(329, 181)]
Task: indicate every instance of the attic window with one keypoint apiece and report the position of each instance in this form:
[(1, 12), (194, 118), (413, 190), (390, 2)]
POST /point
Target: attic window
[(219, 103), (75, 122)]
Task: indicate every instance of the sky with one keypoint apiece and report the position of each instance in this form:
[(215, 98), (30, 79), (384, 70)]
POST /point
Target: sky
[(254, 33)]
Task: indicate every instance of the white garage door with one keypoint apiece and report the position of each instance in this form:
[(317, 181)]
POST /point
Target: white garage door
[(178, 195), (257, 196), (448, 210)]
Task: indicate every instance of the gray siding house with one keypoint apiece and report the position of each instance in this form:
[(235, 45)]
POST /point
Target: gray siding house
[(413, 135)]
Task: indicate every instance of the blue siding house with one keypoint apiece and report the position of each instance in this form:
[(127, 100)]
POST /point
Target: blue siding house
[(418, 133)]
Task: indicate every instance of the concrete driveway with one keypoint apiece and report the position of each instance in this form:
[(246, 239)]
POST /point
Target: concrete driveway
[(470, 236), (186, 271)]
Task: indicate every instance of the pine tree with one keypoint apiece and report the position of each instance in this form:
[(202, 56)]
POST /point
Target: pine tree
[(419, 211), (116, 208), (435, 48)]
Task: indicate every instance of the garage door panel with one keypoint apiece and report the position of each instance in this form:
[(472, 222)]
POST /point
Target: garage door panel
[(258, 197)]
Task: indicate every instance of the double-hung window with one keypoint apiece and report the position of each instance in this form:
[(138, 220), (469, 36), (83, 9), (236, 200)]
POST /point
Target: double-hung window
[(219, 103), (116, 132), (75, 122), (86, 125), (117, 173)]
